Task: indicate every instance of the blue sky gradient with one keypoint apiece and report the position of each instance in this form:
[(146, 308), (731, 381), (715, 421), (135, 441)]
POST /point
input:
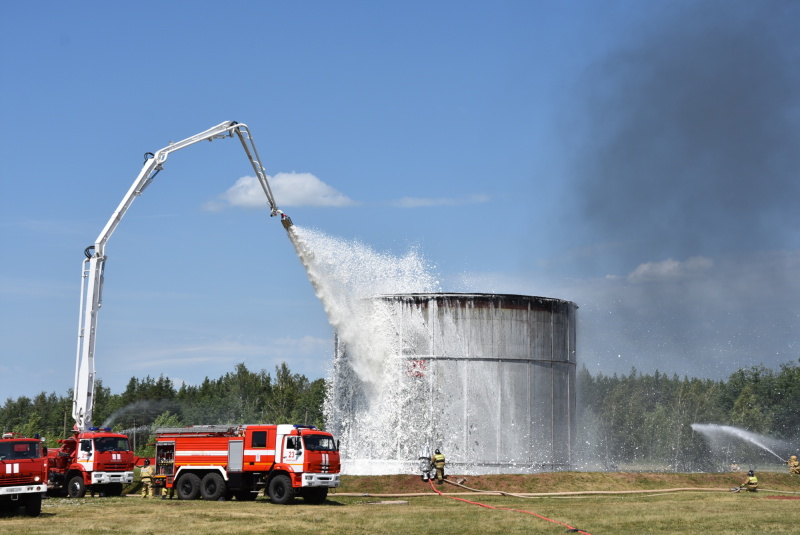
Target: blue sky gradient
[(637, 158)]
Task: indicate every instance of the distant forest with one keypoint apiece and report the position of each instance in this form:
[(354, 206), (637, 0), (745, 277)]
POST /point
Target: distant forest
[(646, 420), (241, 396), (635, 420)]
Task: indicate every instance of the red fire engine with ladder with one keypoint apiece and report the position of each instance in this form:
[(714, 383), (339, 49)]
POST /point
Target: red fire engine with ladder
[(221, 462), (23, 474), (93, 458)]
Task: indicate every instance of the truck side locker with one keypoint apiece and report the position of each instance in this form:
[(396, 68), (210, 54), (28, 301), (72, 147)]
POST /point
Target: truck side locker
[(235, 455), (165, 464)]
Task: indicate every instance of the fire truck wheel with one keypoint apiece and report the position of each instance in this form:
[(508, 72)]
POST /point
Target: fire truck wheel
[(33, 505), (315, 496), (188, 487), (212, 487), (280, 490), (76, 487)]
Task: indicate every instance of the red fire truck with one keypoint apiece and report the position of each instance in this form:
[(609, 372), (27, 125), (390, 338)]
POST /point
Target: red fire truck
[(222, 461), (23, 474), (95, 459)]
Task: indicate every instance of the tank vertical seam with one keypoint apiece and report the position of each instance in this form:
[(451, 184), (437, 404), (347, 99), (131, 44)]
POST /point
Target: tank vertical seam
[(552, 390), (530, 392), (498, 409)]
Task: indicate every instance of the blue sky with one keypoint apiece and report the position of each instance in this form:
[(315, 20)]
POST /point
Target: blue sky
[(637, 158)]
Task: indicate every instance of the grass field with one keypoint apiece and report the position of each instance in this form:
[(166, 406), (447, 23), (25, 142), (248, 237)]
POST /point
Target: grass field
[(645, 504)]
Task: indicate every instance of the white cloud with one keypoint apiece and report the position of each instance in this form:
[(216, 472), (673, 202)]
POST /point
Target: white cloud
[(415, 202), (289, 189), (305, 189), (670, 269)]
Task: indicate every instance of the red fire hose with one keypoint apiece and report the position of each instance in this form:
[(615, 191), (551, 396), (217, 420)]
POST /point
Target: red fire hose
[(569, 528)]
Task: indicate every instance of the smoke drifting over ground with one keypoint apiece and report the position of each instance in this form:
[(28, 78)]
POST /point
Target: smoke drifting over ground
[(686, 173)]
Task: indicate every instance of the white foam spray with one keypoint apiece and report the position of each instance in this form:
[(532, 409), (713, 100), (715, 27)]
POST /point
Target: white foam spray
[(346, 276), (717, 432)]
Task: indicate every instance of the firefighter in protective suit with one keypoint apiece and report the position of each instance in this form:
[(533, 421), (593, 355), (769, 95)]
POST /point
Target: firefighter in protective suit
[(794, 465), (438, 463), (147, 480), (751, 483)]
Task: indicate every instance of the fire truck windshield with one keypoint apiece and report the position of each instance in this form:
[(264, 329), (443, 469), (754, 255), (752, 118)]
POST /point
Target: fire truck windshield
[(111, 444), (19, 450), (319, 443)]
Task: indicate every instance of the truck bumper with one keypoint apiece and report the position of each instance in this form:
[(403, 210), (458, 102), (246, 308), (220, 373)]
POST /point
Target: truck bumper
[(321, 480), (12, 491), (104, 478)]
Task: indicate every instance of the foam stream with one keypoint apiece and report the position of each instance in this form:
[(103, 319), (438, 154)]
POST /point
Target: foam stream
[(346, 275), (715, 432)]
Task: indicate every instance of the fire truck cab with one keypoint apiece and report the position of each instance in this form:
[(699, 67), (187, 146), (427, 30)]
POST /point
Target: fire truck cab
[(221, 462), (23, 474)]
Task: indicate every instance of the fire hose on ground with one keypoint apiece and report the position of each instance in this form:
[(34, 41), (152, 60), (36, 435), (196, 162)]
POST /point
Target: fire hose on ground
[(569, 528), (473, 492)]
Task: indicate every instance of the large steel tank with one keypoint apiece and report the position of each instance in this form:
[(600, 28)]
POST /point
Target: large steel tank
[(489, 379)]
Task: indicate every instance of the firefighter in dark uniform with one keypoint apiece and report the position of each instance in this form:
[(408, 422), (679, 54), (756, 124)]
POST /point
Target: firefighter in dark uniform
[(438, 463)]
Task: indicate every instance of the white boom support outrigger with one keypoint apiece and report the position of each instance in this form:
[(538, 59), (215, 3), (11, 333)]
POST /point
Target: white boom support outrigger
[(93, 265)]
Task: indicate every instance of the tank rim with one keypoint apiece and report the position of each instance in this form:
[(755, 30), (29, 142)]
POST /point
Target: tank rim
[(472, 295)]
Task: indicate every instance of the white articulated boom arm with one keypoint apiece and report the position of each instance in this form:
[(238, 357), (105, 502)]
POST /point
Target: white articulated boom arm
[(93, 265)]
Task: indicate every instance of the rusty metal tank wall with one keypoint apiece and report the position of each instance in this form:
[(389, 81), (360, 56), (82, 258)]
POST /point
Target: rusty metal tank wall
[(489, 379)]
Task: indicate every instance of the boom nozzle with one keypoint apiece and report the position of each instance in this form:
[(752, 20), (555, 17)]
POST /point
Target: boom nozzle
[(286, 221)]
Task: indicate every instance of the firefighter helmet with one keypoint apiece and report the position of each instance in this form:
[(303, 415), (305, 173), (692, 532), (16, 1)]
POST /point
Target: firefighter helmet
[(437, 451), (750, 473)]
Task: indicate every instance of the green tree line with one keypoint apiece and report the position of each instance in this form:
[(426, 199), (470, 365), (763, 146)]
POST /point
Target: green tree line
[(645, 421), (629, 421), (238, 397)]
